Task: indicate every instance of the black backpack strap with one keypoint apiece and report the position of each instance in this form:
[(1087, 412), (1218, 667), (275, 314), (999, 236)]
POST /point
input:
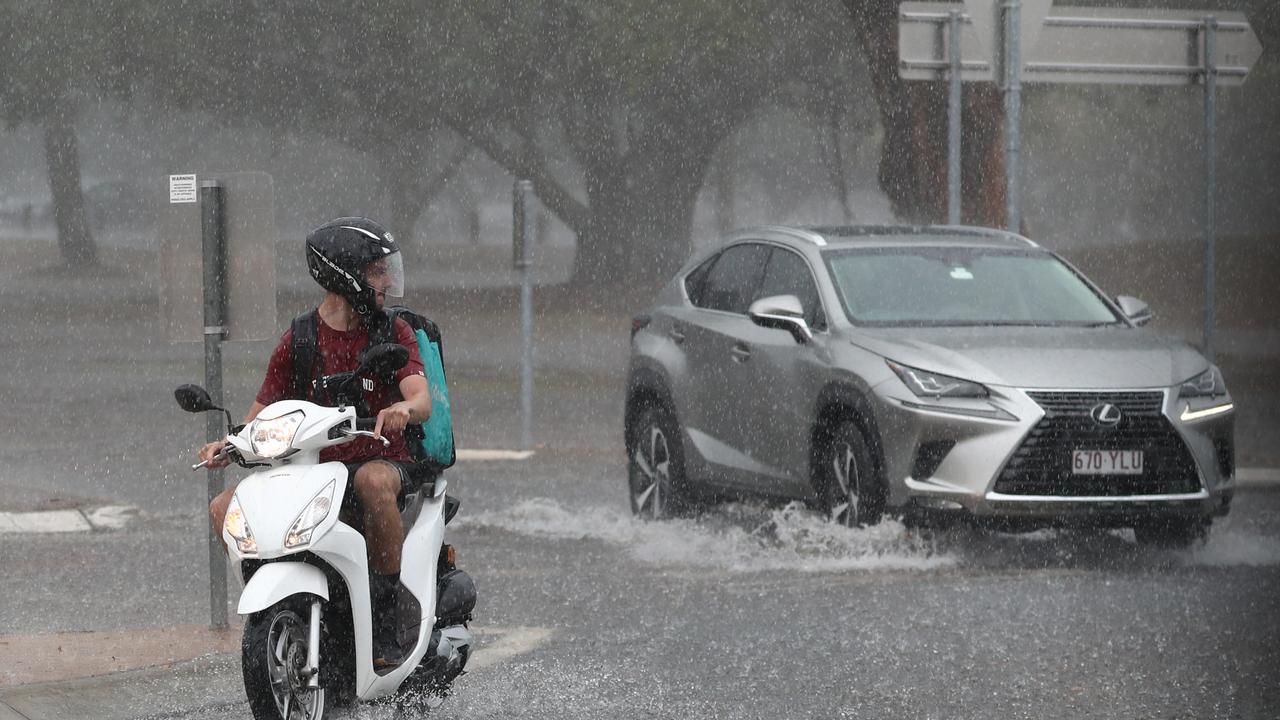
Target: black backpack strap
[(382, 329), (302, 349)]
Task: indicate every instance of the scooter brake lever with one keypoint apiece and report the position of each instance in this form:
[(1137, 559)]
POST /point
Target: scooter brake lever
[(366, 433), (224, 452)]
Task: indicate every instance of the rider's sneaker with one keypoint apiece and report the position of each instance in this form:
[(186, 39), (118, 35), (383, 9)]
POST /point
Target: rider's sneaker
[(387, 652)]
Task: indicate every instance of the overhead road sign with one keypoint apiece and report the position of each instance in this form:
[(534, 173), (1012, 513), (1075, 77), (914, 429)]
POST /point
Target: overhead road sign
[(924, 45), (1016, 41), (1077, 44), (1139, 47)]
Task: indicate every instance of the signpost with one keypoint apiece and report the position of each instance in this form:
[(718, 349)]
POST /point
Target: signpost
[(225, 225), (522, 225), (1078, 45)]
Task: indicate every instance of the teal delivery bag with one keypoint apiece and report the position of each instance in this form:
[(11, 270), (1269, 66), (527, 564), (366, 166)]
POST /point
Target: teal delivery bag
[(437, 431)]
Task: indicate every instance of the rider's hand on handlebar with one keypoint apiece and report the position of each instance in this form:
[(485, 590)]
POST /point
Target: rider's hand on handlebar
[(392, 418), (209, 454)]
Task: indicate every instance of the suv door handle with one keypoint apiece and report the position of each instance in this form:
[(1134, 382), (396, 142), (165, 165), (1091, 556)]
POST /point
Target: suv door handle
[(677, 335), (740, 353)]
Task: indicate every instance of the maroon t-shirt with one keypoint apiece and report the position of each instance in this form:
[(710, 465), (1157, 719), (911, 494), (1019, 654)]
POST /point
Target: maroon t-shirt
[(340, 352)]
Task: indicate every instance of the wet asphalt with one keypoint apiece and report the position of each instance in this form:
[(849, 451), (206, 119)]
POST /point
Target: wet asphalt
[(749, 611)]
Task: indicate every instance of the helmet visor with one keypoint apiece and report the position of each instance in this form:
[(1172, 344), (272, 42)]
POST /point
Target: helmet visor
[(386, 275)]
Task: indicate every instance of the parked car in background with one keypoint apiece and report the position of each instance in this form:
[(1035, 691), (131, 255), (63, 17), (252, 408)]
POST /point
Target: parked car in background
[(930, 371)]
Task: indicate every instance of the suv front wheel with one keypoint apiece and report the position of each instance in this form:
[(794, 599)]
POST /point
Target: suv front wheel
[(845, 479), (655, 466)]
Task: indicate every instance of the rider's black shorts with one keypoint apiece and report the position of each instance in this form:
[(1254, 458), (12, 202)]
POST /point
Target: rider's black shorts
[(412, 477)]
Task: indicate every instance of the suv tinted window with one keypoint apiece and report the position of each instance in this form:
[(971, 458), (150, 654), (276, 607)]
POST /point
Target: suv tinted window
[(788, 274), (731, 282), (693, 282)]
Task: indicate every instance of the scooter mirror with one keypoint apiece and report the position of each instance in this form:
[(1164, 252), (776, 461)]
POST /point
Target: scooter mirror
[(385, 358), (193, 399)]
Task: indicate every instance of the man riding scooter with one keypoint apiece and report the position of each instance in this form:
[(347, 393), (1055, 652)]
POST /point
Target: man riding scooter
[(359, 264)]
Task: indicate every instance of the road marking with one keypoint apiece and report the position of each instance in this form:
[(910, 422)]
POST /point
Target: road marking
[(473, 455), (109, 517), (48, 521), (510, 643)]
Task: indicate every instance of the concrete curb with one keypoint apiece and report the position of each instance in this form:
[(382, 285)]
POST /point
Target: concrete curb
[(1258, 478)]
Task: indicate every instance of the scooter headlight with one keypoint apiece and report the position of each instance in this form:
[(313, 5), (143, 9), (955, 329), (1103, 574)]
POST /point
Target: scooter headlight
[(238, 528), (316, 511), (273, 438)]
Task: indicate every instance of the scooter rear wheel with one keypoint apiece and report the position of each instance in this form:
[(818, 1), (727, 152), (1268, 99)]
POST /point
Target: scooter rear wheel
[(273, 655)]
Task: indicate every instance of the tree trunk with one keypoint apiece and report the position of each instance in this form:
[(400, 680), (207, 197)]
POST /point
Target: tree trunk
[(726, 213), (913, 158), (982, 157), (75, 241), (600, 260), (666, 218), (406, 203), (638, 238), (835, 161)]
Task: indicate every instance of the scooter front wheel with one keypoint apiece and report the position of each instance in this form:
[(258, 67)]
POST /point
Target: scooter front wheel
[(274, 662)]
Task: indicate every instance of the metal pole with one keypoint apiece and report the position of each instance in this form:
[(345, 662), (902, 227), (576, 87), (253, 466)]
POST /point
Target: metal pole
[(522, 225), (1012, 110), (1211, 178), (953, 121), (213, 244)]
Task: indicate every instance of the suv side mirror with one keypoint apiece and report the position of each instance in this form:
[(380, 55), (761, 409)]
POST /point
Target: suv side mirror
[(782, 312), (1138, 312)]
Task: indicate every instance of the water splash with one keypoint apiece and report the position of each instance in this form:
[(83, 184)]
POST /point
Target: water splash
[(737, 537), (746, 537)]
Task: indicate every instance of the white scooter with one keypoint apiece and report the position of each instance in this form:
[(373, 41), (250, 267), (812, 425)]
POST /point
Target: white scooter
[(308, 632)]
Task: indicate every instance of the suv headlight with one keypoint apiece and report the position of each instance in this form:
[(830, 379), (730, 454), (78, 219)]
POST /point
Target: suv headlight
[(1206, 384), (316, 511), (1201, 392), (238, 528), (272, 438), (933, 385)]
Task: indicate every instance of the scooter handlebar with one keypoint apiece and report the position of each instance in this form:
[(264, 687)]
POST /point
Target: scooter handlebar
[(224, 452), (364, 428)]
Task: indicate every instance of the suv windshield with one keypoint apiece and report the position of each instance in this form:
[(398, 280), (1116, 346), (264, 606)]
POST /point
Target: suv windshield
[(962, 286)]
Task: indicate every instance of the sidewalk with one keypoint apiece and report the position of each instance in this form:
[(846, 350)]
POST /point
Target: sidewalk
[(184, 669), (206, 682), (72, 655)]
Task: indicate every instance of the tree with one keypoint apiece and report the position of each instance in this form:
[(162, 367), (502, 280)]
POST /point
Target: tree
[(347, 72), (615, 110), (913, 158), (58, 55)]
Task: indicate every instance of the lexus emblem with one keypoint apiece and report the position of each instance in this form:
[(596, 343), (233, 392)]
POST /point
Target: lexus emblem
[(1105, 414)]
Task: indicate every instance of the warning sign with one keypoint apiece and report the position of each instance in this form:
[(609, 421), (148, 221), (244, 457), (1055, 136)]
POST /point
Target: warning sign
[(182, 188)]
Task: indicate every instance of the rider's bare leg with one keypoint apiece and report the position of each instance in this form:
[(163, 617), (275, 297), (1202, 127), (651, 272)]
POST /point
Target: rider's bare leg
[(377, 484), (218, 512)]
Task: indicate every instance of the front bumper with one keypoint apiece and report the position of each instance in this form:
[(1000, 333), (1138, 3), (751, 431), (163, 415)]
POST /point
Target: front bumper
[(1008, 456)]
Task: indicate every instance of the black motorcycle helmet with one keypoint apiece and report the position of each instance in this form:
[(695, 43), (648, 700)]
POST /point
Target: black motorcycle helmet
[(339, 252)]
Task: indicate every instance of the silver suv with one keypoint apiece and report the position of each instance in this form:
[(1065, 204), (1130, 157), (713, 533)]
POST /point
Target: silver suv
[(925, 370)]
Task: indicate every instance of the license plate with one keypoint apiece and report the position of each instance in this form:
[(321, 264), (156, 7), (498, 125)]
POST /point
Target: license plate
[(1106, 462)]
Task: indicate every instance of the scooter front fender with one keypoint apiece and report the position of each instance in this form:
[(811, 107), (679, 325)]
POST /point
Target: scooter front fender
[(274, 582)]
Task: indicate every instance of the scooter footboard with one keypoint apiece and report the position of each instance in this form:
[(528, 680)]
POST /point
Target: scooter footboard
[(274, 582)]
